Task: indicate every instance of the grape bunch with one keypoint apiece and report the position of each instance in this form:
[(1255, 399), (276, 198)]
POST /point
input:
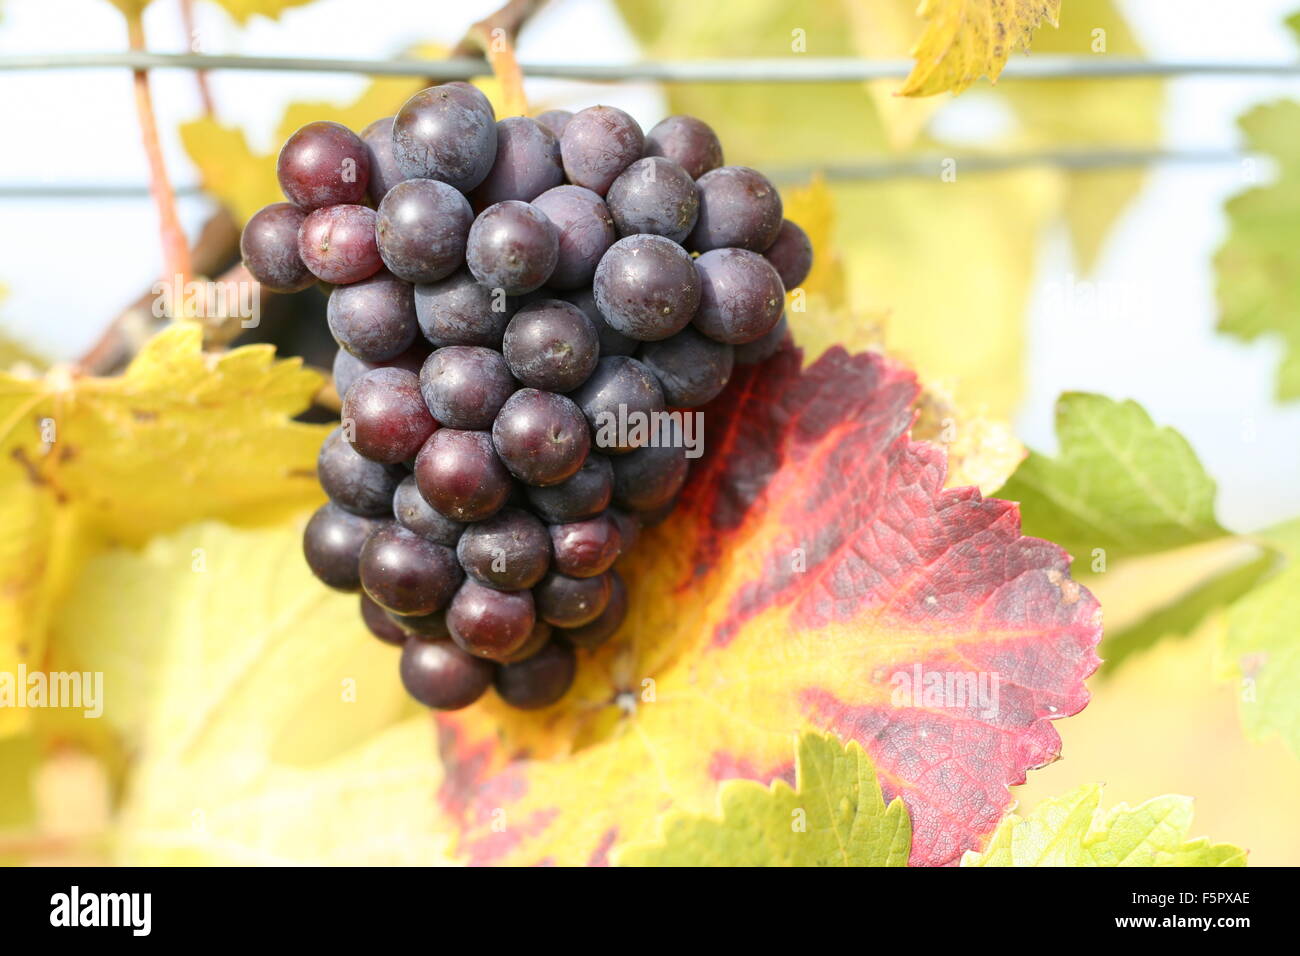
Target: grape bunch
[(507, 296)]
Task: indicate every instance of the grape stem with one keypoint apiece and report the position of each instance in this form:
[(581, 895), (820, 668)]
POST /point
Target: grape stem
[(175, 248), (200, 76), (494, 38)]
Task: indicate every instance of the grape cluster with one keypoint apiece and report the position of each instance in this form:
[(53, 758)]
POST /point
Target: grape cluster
[(500, 292)]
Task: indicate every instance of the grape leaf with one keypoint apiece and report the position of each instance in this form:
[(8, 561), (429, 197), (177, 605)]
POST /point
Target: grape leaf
[(1073, 831), (245, 180), (216, 644), (964, 40), (813, 565), (1260, 648), (1257, 264), (834, 816), (1119, 483), (179, 436)]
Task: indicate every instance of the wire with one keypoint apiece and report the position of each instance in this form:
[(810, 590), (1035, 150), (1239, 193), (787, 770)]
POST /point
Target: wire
[(921, 167), (791, 69)]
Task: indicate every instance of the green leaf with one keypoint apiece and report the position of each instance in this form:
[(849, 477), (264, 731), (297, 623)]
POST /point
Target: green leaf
[(1187, 610), (1258, 265), (1260, 648), (1073, 831), (835, 816), (1119, 483)]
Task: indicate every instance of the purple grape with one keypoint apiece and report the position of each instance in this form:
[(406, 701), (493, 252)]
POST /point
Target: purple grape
[(629, 526), (649, 477), (421, 228), (583, 495), (555, 121), (687, 141), (332, 545), (356, 484), (583, 549), (760, 350), (323, 164), (739, 208), (407, 573), (348, 368), (567, 602), (466, 385), (612, 342), (619, 393), (459, 311), (598, 144), (527, 163), (389, 420), (542, 437), (540, 636), (416, 514), (741, 296), (513, 247), (374, 319), (597, 632), (691, 369), (379, 623), (509, 551), (337, 243), (422, 627), (489, 623), (586, 230), (269, 247), (440, 675), (384, 174), (460, 475), (540, 680), (656, 196), (791, 254), (447, 133), (551, 345), (647, 287), (657, 516)]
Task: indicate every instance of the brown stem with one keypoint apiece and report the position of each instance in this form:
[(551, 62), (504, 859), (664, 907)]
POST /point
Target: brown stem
[(494, 37), (175, 248), (200, 76), (217, 243)]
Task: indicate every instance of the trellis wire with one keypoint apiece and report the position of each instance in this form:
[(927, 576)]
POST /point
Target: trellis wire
[(791, 69), (920, 167)]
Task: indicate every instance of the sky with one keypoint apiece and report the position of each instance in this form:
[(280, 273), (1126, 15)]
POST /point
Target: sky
[(68, 264)]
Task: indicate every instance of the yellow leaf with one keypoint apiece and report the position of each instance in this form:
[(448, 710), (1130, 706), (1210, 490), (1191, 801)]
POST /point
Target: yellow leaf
[(240, 10), (267, 725), (179, 436), (982, 451), (967, 39)]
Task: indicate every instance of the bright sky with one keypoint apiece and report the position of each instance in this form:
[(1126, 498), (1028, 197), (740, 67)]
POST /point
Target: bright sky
[(69, 264)]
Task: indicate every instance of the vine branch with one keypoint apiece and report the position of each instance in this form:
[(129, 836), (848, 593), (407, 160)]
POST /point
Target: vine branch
[(175, 248)]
